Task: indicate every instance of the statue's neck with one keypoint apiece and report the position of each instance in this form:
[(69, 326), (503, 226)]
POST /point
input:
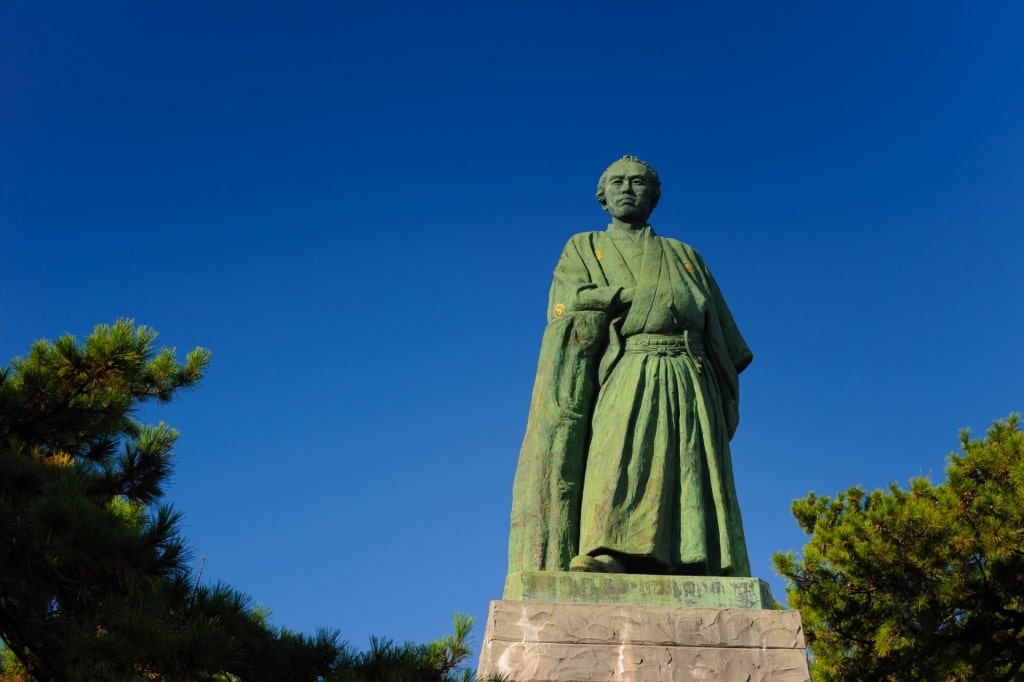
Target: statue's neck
[(632, 227)]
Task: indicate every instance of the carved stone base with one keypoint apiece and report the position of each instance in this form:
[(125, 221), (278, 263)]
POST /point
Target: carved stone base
[(635, 589), (531, 641)]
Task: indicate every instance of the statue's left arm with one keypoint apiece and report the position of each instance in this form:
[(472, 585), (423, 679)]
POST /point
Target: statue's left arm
[(729, 351), (739, 353)]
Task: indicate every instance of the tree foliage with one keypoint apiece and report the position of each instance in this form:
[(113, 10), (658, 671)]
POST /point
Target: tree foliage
[(94, 576), (85, 546), (918, 584)]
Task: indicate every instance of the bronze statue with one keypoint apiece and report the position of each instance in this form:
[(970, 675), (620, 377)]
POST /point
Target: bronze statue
[(625, 466)]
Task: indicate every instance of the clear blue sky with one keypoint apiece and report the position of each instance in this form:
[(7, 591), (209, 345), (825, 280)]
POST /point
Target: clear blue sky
[(357, 208)]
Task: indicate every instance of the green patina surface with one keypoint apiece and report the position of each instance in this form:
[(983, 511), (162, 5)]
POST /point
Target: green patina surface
[(639, 590), (626, 455)]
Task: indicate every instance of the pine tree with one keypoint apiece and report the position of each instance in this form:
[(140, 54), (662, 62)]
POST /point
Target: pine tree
[(94, 576), (95, 583), (84, 546), (919, 584)]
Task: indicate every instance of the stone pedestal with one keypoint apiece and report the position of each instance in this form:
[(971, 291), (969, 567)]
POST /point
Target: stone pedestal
[(638, 590), (529, 640)]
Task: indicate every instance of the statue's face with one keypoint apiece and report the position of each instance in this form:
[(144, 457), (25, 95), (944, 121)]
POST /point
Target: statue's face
[(627, 193)]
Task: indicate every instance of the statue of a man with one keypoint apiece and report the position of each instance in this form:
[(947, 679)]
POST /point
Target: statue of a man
[(625, 466)]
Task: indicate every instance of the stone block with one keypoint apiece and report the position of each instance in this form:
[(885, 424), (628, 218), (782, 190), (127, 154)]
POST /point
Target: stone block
[(549, 642)]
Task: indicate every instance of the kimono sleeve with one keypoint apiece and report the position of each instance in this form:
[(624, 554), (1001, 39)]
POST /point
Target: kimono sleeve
[(729, 352), (548, 486), (579, 283)]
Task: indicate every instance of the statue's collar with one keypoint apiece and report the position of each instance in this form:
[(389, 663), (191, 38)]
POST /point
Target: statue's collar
[(632, 235)]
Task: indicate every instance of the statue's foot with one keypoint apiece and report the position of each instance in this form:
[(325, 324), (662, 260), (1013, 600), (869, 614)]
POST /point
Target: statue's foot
[(599, 563)]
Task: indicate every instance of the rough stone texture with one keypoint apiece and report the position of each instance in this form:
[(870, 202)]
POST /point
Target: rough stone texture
[(638, 590), (547, 642)]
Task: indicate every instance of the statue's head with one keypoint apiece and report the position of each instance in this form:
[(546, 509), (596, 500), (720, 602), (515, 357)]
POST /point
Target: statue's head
[(626, 166)]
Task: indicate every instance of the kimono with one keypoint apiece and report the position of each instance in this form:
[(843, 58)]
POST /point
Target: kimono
[(635, 402)]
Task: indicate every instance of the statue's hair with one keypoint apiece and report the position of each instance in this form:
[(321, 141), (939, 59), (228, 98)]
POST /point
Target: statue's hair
[(652, 178)]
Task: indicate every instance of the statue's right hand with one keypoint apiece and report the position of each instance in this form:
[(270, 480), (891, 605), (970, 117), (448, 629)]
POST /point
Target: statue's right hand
[(625, 297)]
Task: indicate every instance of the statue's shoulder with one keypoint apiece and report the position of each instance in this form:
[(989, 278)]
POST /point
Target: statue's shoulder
[(587, 236), (682, 248), (582, 241)]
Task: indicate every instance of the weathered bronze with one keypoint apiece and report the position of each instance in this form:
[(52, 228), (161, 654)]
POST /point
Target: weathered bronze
[(625, 466)]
